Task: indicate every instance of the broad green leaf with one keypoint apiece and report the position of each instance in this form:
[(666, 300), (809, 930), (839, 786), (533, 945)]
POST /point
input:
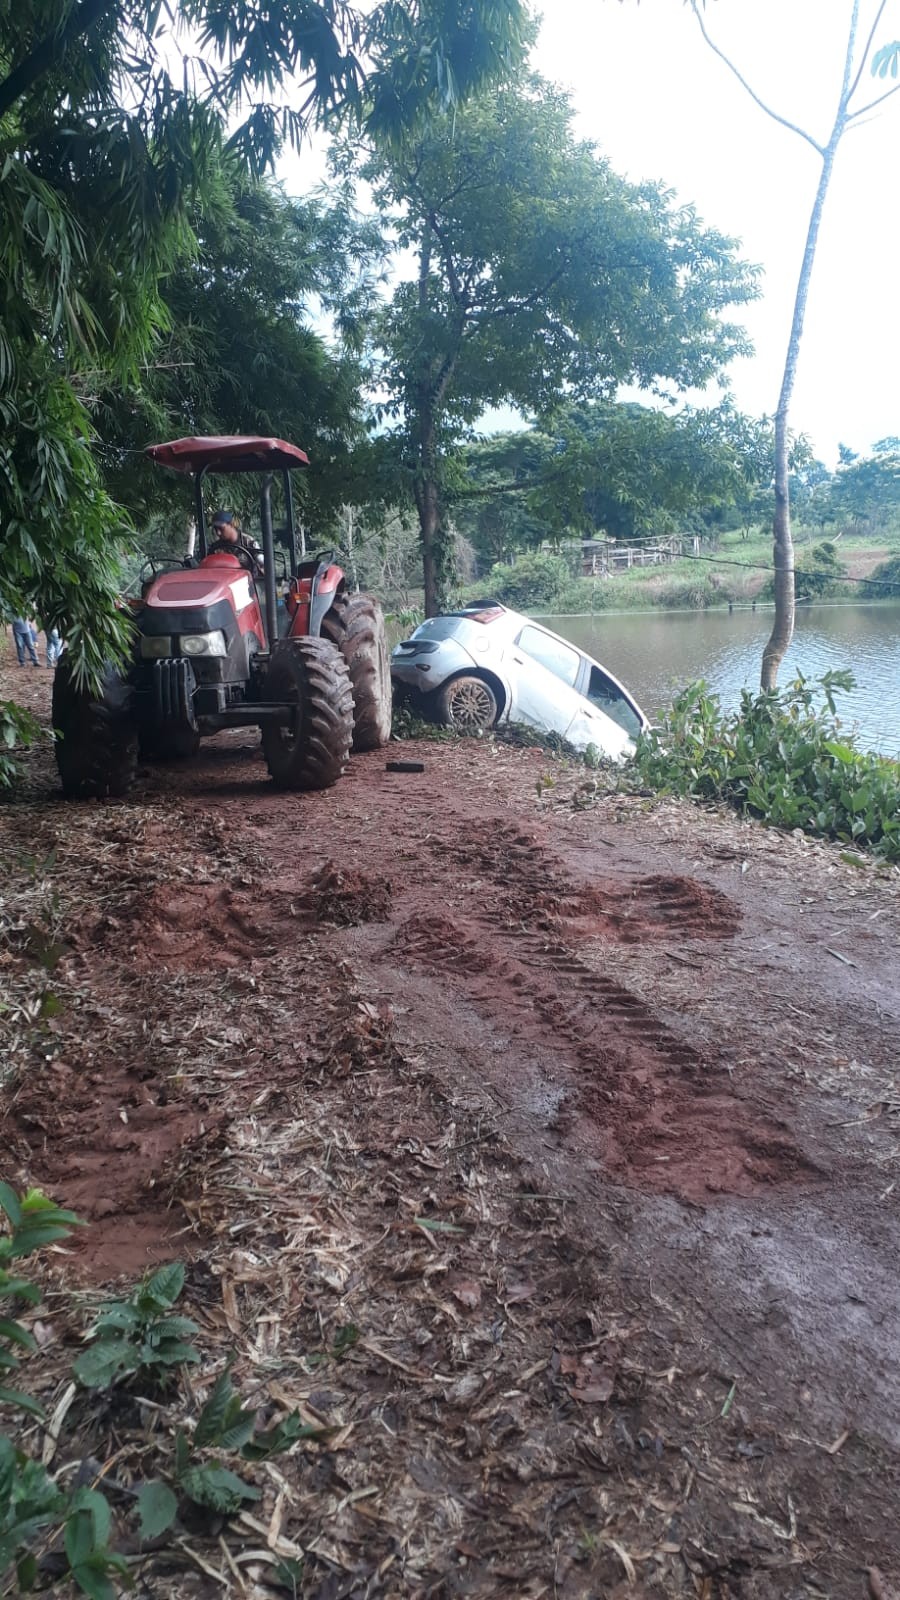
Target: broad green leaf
[(157, 1508), (217, 1488), (213, 1415), (15, 1397), (8, 1472), (99, 1364), (16, 1334), (166, 1283), (9, 1202)]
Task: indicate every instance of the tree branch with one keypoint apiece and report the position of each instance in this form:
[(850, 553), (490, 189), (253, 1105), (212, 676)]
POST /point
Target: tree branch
[(865, 55), (750, 91), (855, 115), (49, 51), (449, 263)]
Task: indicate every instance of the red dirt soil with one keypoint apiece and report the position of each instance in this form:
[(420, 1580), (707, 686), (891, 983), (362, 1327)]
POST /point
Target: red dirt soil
[(684, 1026)]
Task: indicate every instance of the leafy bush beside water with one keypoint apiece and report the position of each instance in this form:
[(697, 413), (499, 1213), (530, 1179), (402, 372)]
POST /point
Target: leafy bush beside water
[(885, 583), (818, 573), (782, 757)]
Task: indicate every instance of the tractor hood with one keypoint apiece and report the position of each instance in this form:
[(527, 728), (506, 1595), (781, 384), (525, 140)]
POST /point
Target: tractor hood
[(220, 578)]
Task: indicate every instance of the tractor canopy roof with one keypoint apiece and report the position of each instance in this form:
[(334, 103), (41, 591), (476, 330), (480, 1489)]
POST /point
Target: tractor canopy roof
[(230, 453)]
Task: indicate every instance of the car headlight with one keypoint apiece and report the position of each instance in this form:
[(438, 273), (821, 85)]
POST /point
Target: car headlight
[(154, 645), (203, 644)]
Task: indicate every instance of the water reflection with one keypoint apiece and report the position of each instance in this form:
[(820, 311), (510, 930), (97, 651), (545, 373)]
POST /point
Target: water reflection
[(657, 653)]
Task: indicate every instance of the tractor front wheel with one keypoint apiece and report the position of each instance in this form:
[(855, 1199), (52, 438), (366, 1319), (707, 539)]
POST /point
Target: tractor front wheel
[(355, 626), (311, 750), (97, 740)]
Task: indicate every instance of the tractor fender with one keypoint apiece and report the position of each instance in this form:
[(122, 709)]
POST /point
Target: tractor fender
[(327, 586)]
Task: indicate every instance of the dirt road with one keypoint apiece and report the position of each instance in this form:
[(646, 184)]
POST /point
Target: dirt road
[(581, 1111)]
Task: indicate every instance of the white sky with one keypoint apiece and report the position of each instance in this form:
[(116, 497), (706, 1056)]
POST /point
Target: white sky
[(656, 100), (658, 103)]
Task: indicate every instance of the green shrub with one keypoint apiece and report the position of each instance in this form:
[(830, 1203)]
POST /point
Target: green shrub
[(32, 1504), (18, 730), (533, 580), (781, 758), (885, 582), (40, 1513), (31, 1221), (817, 573), (140, 1334)]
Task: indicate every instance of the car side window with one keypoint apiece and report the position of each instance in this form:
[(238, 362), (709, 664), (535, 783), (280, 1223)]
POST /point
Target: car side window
[(609, 698), (551, 653)]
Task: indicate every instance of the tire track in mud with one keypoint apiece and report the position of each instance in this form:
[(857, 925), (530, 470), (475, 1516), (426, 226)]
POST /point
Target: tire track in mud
[(659, 1111)]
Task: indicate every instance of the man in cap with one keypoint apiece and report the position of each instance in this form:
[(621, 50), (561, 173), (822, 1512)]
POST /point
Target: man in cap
[(230, 540)]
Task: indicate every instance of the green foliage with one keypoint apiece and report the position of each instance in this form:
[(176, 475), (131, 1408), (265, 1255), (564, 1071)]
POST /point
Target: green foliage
[(240, 356), (139, 1335), (532, 580), (32, 1221), (527, 241), (223, 1424), (30, 1501), (885, 583), (117, 156), (18, 730), (865, 491), (817, 574), (780, 757)]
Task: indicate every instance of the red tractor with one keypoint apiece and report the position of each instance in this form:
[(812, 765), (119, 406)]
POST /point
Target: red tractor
[(208, 656)]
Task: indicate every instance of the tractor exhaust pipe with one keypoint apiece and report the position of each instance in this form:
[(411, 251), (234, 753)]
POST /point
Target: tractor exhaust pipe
[(268, 544)]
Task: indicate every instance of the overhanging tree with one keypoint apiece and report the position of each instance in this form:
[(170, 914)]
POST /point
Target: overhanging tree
[(110, 143), (241, 353), (539, 273), (619, 469), (846, 116)]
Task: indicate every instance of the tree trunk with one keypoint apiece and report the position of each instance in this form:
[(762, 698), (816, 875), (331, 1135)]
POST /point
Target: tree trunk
[(429, 529), (782, 542)]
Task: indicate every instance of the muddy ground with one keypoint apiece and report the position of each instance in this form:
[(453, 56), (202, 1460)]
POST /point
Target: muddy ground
[(540, 1140)]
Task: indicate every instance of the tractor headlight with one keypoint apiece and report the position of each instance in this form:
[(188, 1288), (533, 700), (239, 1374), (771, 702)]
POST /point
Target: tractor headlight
[(203, 644), (154, 645)]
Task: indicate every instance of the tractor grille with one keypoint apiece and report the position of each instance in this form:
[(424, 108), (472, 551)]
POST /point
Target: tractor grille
[(174, 683)]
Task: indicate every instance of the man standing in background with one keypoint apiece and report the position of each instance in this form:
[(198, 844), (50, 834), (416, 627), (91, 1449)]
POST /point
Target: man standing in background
[(24, 635)]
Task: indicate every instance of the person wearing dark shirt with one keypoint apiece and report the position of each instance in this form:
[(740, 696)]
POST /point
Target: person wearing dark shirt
[(231, 541)]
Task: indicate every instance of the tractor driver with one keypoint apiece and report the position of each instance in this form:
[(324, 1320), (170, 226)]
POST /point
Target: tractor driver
[(230, 540)]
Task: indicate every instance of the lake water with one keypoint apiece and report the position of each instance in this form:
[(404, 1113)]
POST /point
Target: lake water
[(656, 653)]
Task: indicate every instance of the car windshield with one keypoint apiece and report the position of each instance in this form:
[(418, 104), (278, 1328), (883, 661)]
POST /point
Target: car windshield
[(609, 698)]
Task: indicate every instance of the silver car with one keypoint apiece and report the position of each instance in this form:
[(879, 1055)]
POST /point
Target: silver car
[(486, 666)]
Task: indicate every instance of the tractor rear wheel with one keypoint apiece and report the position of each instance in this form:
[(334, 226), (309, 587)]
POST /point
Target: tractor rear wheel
[(97, 743), (311, 677), (355, 625)]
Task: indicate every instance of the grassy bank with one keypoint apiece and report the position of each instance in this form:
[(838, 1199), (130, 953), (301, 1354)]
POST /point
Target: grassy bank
[(736, 572)]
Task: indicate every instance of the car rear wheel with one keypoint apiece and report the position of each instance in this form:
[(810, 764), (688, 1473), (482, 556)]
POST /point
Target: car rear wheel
[(312, 749), (467, 703)]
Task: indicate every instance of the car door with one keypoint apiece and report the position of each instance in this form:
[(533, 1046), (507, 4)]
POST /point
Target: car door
[(608, 717), (546, 670)]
